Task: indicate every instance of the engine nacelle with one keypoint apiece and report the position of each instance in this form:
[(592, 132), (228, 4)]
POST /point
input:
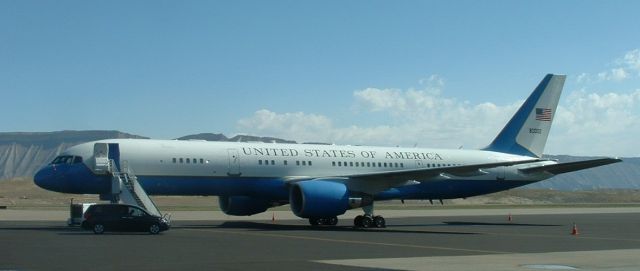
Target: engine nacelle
[(318, 198), (243, 205)]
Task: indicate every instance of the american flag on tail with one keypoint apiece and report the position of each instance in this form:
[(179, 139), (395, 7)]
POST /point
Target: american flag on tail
[(543, 114)]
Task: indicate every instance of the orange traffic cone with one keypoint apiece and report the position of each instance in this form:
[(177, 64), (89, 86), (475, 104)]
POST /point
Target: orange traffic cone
[(574, 231)]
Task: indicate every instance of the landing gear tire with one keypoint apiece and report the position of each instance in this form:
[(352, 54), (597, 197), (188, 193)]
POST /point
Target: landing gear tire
[(332, 221), (328, 221), (379, 222), (314, 221), (366, 221), (357, 222)]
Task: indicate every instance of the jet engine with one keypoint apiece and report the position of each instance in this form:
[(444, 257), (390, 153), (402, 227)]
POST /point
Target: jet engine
[(320, 198), (243, 205)]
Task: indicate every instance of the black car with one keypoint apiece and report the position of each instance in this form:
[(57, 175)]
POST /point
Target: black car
[(122, 217)]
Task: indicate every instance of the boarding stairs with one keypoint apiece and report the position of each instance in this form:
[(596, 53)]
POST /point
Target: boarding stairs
[(125, 188)]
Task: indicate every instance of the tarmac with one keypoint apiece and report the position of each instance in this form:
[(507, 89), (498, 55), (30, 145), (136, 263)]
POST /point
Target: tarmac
[(476, 239)]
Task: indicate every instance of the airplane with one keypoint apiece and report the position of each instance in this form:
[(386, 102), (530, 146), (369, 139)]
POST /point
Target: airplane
[(321, 181)]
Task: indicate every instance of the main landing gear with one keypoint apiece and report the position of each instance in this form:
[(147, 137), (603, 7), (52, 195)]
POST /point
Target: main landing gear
[(369, 220), (328, 221)]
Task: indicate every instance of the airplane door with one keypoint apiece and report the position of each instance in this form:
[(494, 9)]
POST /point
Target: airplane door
[(101, 158), (234, 162)]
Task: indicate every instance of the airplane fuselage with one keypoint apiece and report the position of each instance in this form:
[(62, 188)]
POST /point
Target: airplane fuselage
[(172, 167)]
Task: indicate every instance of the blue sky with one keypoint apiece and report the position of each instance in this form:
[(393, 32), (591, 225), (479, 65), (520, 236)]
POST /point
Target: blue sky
[(426, 73)]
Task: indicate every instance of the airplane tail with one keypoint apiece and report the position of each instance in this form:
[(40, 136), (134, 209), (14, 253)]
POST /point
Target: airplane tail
[(527, 131)]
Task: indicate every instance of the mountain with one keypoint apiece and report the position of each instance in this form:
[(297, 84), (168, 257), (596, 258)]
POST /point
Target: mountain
[(619, 175), (21, 154), (238, 138)]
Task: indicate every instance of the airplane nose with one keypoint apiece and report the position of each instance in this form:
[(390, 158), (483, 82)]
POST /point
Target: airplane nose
[(48, 178)]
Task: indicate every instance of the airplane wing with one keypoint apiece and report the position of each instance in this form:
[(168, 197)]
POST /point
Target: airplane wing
[(427, 173), (379, 181), (570, 166)]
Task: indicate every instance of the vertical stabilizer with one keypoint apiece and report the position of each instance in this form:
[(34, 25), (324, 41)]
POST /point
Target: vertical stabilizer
[(527, 131)]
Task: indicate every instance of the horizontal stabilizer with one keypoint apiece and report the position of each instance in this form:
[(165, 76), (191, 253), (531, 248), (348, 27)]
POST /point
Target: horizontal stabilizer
[(570, 166)]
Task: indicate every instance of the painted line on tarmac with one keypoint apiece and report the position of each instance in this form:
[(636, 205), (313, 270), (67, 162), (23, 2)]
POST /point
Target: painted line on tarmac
[(567, 236), (352, 241)]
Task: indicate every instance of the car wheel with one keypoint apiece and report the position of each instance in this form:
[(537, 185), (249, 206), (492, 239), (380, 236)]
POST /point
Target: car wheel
[(98, 229), (154, 229)]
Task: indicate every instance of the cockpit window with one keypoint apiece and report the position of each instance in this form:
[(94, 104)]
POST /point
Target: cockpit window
[(67, 159)]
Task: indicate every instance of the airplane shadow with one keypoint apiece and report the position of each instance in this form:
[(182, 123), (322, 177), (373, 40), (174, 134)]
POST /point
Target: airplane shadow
[(66, 230), (464, 223), (260, 226)]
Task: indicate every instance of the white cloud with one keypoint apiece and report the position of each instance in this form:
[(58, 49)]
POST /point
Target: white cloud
[(624, 67), (587, 123), (288, 125), (631, 60), (597, 124), (422, 117)]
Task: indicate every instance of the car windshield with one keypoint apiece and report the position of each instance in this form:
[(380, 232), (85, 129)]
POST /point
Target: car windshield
[(67, 159)]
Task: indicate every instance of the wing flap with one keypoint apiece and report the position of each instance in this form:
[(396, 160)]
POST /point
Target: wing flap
[(570, 166)]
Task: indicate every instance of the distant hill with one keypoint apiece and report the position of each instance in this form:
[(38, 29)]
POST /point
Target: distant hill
[(238, 138), (21, 154), (619, 175)]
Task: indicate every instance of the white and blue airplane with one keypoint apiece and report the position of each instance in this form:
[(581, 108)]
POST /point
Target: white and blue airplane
[(321, 182)]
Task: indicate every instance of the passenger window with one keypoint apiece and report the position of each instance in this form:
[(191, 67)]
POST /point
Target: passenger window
[(402, 165), (259, 162), (309, 162), (304, 163), (174, 160), (285, 162), (379, 164), (181, 161), (297, 163), (273, 163), (201, 161), (333, 163), (188, 160), (350, 164), (396, 164), (339, 163), (357, 164), (373, 164), (385, 164)]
